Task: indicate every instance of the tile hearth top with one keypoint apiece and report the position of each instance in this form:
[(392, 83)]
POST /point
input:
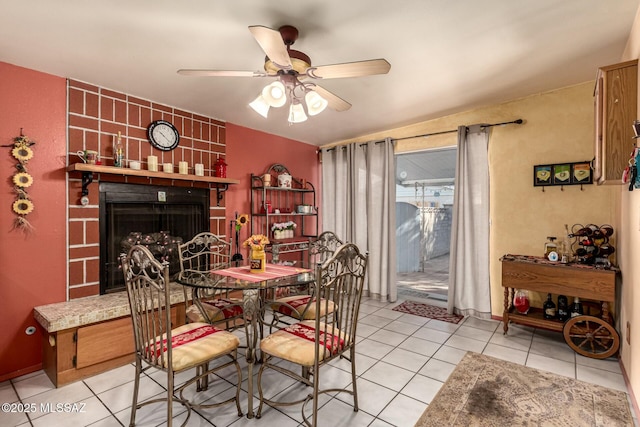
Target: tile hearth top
[(85, 311)]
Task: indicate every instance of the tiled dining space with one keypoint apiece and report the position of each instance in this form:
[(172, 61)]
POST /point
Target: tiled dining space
[(403, 360)]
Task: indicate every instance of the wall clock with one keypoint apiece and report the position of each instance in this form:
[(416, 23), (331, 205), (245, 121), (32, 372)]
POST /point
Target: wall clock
[(163, 135)]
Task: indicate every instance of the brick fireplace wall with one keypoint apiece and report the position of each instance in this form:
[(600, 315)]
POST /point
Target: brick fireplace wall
[(95, 116)]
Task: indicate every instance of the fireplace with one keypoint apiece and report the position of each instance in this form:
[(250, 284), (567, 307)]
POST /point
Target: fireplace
[(158, 217)]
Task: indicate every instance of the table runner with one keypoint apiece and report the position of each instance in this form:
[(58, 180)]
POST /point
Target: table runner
[(272, 271)]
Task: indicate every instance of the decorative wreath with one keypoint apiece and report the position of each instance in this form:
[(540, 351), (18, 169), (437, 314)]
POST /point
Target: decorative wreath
[(22, 206)]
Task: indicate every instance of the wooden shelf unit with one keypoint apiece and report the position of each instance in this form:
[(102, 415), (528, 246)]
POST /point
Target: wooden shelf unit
[(558, 279)]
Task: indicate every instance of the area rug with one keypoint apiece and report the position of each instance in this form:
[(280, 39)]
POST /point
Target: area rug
[(426, 310), (484, 391)]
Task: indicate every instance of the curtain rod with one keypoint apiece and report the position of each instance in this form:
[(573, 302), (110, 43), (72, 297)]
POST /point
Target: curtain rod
[(516, 122)]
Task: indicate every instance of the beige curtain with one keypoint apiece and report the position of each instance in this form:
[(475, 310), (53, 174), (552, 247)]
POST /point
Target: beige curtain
[(469, 288), (358, 204)]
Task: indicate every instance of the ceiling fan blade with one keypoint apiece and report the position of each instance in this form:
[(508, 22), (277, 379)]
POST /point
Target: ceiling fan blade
[(334, 101), (350, 69), (271, 42), (222, 73)]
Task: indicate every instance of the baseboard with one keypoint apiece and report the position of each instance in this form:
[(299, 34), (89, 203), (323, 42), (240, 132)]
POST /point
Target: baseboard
[(20, 372), (632, 396)]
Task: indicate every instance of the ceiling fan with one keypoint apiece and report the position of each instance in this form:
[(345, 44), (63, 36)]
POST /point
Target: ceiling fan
[(292, 69)]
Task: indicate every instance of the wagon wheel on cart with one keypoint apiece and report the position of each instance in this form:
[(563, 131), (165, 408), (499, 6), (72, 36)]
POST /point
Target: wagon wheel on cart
[(591, 336)]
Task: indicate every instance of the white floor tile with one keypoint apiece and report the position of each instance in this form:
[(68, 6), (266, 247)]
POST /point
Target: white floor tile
[(549, 364), (600, 377), (505, 353), (485, 324), (449, 354), (388, 376), (464, 343), (434, 335), (402, 327), (388, 337), (474, 333), (406, 359), (32, 385), (422, 388), (403, 411), (437, 369), (401, 362), (374, 349), (374, 320), (389, 314), (420, 346)]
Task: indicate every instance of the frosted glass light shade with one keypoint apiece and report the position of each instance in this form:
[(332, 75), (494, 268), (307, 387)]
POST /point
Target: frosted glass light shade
[(296, 113), (260, 106), (315, 103), (274, 94)]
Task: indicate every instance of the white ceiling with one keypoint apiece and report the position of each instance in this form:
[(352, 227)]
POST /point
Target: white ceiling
[(446, 56)]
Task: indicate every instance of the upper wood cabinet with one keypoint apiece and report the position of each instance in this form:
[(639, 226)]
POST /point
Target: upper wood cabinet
[(616, 95)]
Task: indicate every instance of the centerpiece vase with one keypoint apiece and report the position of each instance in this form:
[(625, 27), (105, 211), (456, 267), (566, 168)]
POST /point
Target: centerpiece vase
[(257, 260)]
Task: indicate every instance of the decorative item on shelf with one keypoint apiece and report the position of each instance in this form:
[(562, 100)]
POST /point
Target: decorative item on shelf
[(283, 230), (88, 156), (167, 168), (183, 168), (118, 151), (134, 164), (266, 180), (152, 163), (240, 222), (551, 249), (220, 168), (594, 244), (561, 174), (22, 206), (521, 301), (284, 180), (257, 258), (199, 169)]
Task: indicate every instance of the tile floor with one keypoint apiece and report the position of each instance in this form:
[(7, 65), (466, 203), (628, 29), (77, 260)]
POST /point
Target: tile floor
[(403, 361)]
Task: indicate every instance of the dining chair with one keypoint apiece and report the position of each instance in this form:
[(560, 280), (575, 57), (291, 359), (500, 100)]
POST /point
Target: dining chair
[(298, 303), (172, 350), (311, 344), (204, 252)]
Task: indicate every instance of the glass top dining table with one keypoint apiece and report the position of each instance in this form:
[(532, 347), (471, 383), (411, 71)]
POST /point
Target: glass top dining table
[(256, 293)]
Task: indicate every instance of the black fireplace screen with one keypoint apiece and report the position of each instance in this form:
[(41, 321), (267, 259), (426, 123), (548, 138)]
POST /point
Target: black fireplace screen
[(159, 218)]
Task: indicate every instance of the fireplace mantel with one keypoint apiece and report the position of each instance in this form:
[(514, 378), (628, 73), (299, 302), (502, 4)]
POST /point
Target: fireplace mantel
[(220, 184)]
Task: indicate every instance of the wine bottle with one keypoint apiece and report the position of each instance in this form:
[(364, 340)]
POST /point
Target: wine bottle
[(549, 308), (563, 309), (576, 308)]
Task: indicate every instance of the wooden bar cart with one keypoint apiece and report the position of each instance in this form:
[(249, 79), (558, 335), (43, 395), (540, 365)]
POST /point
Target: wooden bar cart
[(592, 334)]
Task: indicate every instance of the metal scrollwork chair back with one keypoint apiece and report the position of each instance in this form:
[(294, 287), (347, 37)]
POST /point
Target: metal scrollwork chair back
[(299, 303), (172, 350), (204, 252), (311, 344)]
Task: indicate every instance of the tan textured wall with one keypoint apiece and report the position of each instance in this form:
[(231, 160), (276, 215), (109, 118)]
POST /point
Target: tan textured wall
[(630, 253), (558, 128)]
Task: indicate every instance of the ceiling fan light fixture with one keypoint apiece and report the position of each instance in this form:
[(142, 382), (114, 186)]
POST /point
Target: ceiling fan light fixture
[(296, 113), (315, 103), (274, 94), (260, 106)]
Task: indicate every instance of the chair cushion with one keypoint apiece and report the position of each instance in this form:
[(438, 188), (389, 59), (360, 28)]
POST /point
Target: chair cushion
[(296, 343), (295, 306), (218, 309), (196, 343)]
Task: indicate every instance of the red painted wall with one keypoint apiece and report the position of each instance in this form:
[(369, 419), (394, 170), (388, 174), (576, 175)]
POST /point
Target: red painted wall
[(251, 151), (32, 268)]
